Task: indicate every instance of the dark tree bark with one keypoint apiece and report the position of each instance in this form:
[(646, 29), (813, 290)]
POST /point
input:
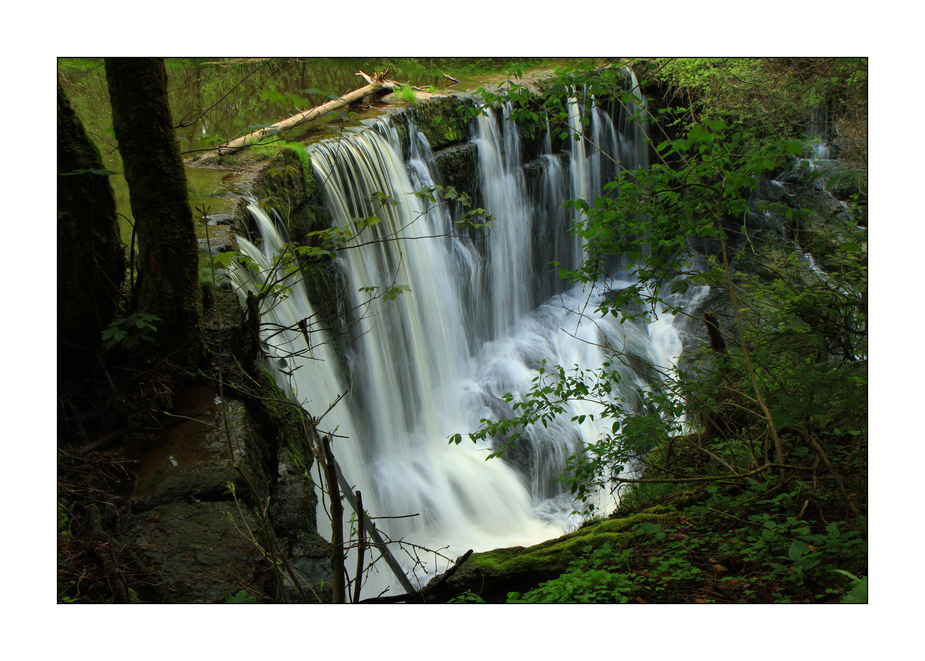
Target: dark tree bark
[(91, 260), (168, 255)]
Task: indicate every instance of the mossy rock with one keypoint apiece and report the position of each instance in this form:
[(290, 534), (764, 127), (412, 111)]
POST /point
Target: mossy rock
[(458, 167), (442, 121), (493, 574), (287, 185)]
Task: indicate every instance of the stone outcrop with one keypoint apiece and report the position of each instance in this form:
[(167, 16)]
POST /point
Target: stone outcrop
[(442, 120), (226, 482), (200, 550), (458, 167)]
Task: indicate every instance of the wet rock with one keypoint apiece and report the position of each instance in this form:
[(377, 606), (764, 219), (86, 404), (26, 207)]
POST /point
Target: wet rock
[(309, 555), (457, 167), (221, 239), (202, 551), (836, 177), (442, 120), (194, 460), (294, 500), (221, 219)]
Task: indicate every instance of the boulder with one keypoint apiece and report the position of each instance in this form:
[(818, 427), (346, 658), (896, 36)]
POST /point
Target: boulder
[(202, 550), (458, 167), (493, 574)]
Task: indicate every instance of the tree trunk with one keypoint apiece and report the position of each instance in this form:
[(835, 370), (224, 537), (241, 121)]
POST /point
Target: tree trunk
[(168, 255), (91, 260)]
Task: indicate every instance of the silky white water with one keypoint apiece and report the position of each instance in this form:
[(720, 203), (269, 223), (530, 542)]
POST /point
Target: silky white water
[(447, 324)]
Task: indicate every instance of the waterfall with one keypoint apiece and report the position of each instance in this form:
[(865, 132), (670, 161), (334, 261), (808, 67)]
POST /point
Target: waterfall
[(446, 327), (286, 346), (552, 239), (501, 182), (411, 363), (817, 130)]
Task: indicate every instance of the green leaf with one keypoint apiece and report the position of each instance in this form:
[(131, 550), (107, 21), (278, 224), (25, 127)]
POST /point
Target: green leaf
[(794, 146), (241, 597), (393, 292), (782, 419), (858, 593), (797, 550)]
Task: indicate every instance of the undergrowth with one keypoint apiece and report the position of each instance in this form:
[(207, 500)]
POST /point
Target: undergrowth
[(749, 545)]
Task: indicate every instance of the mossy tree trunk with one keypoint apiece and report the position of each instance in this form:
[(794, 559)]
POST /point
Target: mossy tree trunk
[(91, 260), (168, 255)]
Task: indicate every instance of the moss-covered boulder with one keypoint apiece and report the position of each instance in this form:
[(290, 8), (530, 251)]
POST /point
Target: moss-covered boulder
[(442, 120), (493, 574), (458, 167)]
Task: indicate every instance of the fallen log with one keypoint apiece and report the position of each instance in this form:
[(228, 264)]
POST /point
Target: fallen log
[(377, 83)]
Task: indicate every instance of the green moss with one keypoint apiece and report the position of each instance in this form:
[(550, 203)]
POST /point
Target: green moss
[(553, 556), (308, 174), (288, 421), (442, 121)]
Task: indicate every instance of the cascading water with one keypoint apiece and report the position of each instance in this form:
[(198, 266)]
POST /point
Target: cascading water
[(553, 241), (502, 187), (411, 361), (428, 358)]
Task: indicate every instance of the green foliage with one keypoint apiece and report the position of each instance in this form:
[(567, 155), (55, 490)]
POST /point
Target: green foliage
[(406, 93), (588, 581), (744, 546), (64, 522), (475, 219), (858, 592), (467, 597), (130, 332), (387, 293), (306, 160), (240, 597), (764, 96)]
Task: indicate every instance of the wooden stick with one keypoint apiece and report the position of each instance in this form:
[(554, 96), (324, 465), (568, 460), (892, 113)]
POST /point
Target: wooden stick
[(361, 548), (337, 525), (378, 541)]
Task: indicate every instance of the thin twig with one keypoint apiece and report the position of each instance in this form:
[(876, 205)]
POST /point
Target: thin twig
[(423, 592), (361, 548)]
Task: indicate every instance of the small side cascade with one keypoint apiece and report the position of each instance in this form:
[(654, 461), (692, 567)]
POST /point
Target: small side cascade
[(288, 346), (817, 131)]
